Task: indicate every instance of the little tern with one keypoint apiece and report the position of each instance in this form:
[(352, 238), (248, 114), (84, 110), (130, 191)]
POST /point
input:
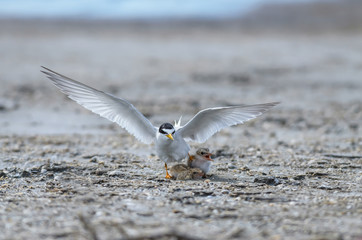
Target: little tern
[(170, 141)]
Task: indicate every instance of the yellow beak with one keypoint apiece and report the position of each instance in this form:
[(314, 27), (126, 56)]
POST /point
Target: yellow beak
[(169, 136)]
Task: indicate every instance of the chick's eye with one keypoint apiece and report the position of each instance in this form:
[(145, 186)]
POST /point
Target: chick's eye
[(202, 153)]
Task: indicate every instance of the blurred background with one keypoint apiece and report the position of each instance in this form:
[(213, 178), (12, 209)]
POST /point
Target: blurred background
[(133, 10), (171, 58)]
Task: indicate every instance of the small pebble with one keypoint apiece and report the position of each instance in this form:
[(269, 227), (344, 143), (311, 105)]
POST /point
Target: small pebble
[(115, 173), (231, 166)]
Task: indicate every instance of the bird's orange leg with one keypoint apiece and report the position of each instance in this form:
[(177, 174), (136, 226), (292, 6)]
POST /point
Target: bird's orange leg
[(191, 158), (168, 176)]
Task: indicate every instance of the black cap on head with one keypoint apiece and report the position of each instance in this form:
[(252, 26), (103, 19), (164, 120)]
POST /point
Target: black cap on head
[(203, 151), (165, 126)]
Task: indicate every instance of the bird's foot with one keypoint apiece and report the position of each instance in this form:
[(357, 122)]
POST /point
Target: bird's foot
[(168, 176)]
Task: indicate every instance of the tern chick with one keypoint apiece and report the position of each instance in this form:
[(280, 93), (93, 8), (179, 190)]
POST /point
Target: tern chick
[(202, 160), (184, 172), (170, 141)]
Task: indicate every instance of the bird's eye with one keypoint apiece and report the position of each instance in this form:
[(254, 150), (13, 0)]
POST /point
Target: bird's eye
[(202, 153), (173, 132)]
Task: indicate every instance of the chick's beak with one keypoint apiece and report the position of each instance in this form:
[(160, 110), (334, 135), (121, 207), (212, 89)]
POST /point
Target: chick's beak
[(170, 136), (208, 157)]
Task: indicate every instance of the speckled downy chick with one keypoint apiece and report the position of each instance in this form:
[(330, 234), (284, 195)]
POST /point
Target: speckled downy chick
[(202, 160), (184, 172)]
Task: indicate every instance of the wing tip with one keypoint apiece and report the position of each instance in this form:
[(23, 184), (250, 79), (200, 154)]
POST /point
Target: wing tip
[(47, 69), (49, 73), (274, 103)]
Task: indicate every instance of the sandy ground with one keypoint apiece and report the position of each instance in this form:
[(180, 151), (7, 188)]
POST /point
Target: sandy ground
[(294, 173)]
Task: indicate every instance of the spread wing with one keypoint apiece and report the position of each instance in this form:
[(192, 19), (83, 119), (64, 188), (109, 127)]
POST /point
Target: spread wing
[(211, 120), (114, 109)]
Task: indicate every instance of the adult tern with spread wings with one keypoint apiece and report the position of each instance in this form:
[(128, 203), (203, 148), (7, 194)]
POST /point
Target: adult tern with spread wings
[(170, 140)]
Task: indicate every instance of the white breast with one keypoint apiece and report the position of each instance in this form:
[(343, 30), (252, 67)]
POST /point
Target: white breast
[(171, 151), (203, 164)]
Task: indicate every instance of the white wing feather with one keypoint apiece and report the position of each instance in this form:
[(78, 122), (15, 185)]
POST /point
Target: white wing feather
[(178, 124), (114, 109), (210, 121)]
